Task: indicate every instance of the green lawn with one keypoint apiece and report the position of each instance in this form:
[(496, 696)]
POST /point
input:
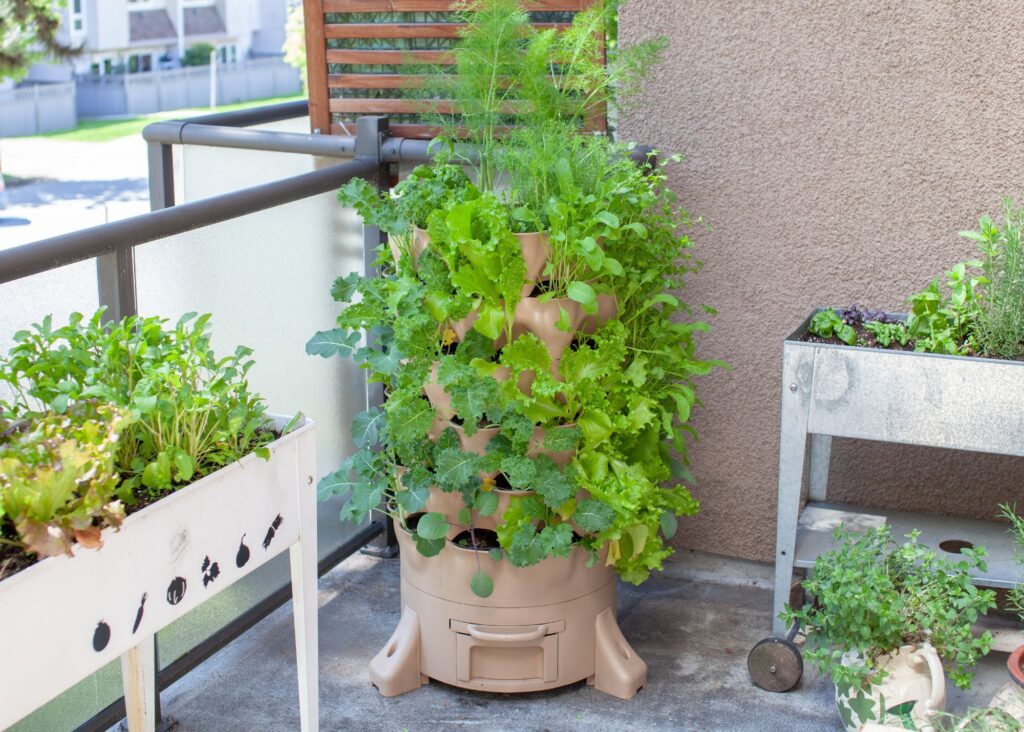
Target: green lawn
[(103, 130)]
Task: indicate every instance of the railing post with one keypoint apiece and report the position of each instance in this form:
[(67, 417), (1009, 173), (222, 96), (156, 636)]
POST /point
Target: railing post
[(370, 134)]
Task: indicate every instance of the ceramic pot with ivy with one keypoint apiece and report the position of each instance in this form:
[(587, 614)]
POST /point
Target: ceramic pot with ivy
[(912, 690)]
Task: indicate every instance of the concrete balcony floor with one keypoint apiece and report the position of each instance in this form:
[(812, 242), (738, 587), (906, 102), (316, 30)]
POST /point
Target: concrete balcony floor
[(693, 624)]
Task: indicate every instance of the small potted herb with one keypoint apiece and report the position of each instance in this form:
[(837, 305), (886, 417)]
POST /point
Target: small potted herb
[(886, 619)]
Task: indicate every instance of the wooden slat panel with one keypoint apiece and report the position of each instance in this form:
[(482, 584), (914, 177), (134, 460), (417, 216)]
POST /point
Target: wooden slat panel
[(380, 58), (419, 132), (375, 81), (390, 106), (407, 30), (318, 31), (436, 6), (316, 65)]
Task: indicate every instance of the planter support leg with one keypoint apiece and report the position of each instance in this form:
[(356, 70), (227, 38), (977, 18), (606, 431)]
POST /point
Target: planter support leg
[(138, 674), (817, 469), (797, 377), (304, 594)]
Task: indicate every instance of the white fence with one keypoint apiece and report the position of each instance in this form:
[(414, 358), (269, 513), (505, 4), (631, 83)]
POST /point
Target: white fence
[(158, 91), (38, 108)]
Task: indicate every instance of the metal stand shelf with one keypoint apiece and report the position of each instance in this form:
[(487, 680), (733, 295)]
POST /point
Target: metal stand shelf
[(953, 402)]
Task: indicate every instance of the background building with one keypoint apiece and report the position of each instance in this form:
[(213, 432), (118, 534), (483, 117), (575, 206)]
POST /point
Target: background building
[(132, 36)]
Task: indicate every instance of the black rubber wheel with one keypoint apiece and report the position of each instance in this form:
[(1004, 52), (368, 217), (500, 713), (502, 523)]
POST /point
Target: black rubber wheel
[(775, 664)]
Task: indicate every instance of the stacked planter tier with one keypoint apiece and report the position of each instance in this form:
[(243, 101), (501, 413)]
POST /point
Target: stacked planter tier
[(544, 626)]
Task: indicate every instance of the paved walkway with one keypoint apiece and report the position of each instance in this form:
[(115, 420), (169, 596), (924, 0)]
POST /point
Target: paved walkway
[(60, 187), (70, 185), (693, 624)]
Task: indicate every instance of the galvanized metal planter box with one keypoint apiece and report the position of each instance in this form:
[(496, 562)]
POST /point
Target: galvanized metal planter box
[(66, 617), (955, 402)]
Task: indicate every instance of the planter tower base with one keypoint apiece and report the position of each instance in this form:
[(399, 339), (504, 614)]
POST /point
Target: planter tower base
[(545, 626)]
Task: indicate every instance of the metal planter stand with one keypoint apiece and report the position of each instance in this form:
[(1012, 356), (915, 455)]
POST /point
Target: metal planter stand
[(828, 391)]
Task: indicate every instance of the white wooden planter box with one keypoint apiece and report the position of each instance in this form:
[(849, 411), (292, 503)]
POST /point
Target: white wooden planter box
[(66, 617), (954, 402)]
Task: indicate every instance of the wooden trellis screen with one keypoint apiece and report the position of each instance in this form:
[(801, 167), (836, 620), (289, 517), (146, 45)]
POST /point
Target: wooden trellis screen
[(357, 50)]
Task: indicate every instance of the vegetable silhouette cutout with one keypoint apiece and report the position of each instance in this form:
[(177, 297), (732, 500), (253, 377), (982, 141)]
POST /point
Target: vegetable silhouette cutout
[(138, 614), (176, 590), (272, 531), (211, 571), (243, 553), (100, 636)]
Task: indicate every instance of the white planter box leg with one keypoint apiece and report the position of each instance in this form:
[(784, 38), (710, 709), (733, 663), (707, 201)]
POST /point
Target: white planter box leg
[(303, 558), (138, 674)]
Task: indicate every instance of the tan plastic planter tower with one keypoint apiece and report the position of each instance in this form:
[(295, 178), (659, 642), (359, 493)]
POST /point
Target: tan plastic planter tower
[(544, 626)]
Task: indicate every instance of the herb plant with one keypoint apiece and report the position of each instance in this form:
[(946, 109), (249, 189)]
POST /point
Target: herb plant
[(979, 311), (872, 596), (191, 412)]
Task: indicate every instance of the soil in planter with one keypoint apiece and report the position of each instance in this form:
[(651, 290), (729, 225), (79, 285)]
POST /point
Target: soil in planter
[(865, 339), (480, 539), (578, 343), (413, 520), (501, 483)]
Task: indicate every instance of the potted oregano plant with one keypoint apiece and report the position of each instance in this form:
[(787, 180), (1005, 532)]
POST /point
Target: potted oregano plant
[(538, 397), (139, 476), (886, 620)]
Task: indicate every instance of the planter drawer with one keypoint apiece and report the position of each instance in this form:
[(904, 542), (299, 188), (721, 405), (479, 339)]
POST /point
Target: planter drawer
[(509, 654)]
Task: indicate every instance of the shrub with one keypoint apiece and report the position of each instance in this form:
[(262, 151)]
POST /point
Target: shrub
[(197, 55)]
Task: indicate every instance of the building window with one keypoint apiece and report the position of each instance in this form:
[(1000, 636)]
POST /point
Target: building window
[(140, 63), (77, 16), (227, 53)]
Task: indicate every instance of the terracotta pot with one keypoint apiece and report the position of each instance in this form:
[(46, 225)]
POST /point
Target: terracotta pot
[(420, 240), (913, 689), (1013, 665), (439, 399), (607, 308), (539, 318), (536, 253), (536, 447)]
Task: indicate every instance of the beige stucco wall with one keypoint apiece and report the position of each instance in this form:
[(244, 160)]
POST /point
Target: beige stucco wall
[(835, 148)]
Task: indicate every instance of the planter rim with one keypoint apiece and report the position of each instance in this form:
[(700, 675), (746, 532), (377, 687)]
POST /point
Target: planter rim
[(1013, 665), (176, 496), (794, 339)]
